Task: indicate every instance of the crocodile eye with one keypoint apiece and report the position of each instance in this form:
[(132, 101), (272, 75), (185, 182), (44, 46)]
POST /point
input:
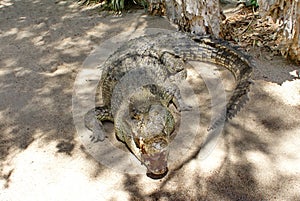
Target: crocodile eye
[(153, 88), (135, 114)]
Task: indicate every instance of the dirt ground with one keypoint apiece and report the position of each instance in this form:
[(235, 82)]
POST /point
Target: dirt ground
[(44, 45)]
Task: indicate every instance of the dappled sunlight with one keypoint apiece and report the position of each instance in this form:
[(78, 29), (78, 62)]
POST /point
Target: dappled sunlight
[(36, 171), (98, 30), (287, 93), (60, 70), (12, 31), (286, 159), (264, 168), (21, 72), (24, 34), (38, 41), (5, 72), (5, 3), (213, 162), (280, 170), (43, 46)]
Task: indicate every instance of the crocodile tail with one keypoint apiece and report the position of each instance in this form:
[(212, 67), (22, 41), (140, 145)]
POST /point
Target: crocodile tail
[(238, 99), (241, 66)]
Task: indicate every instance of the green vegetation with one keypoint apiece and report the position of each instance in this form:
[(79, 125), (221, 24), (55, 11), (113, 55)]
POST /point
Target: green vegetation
[(116, 5), (89, 2), (254, 3)]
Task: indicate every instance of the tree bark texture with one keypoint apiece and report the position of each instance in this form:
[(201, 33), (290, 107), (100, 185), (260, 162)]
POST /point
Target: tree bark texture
[(286, 13), (195, 16)]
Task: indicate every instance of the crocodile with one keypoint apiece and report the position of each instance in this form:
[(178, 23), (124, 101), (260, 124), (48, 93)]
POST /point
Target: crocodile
[(138, 84)]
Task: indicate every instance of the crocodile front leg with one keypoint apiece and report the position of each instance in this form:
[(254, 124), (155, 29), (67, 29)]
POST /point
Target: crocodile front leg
[(93, 121), (177, 69)]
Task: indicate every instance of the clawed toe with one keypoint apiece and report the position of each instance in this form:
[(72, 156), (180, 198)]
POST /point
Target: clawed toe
[(95, 139)]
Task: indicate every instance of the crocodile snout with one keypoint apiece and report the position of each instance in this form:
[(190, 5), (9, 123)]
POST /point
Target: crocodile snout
[(155, 158)]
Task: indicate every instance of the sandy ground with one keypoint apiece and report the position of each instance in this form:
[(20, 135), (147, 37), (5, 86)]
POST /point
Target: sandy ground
[(44, 45)]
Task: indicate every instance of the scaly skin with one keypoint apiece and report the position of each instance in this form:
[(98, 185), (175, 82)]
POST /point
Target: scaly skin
[(138, 84), (146, 127)]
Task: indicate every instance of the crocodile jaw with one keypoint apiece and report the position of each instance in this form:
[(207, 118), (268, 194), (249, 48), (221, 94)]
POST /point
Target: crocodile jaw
[(156, 163), (155, 159)]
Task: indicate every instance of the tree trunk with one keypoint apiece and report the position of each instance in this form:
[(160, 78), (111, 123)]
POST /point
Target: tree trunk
[(195, 16), (286, 13)]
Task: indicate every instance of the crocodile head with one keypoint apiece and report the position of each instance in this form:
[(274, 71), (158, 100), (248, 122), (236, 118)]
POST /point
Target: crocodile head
[(145, 124), (152, 127), (154, 155)]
